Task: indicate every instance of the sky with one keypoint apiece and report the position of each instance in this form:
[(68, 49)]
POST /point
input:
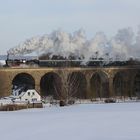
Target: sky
[(23, 19)]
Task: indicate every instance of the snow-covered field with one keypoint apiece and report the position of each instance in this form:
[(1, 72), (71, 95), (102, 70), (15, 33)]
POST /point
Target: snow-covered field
[(120, 121)]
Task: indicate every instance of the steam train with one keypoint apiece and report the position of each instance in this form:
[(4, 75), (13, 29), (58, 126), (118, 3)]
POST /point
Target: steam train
[(67, 63)]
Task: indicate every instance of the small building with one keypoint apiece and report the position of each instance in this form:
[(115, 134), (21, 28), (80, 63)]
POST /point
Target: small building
[(30, 95)]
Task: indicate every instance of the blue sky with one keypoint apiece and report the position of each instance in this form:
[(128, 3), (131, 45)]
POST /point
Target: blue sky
[(22, 19)]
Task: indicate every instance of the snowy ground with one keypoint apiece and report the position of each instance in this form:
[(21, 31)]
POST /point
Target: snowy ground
[(120, 121)]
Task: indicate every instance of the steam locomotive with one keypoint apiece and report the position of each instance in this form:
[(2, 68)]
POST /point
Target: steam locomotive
[(32, 61)]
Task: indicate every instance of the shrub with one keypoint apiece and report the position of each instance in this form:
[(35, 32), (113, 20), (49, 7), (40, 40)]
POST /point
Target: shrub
[(109, 100), (62, 103)]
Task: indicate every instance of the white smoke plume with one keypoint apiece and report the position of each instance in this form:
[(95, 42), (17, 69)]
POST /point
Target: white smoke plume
[(123, 46)]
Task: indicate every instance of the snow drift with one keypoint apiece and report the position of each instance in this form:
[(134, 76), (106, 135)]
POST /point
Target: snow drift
[(79, 122), (124, 45)]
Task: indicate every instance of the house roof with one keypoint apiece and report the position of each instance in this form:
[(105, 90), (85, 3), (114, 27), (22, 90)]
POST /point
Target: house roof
[(29, 90)]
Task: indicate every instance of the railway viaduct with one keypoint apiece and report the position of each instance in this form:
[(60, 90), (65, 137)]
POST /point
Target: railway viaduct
[(92, 82)]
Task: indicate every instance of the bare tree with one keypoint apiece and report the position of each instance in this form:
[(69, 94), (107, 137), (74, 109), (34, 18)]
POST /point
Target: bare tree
[(70, 86), (96, 55)]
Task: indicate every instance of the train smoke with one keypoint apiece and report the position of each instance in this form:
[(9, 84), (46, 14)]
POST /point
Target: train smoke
[(123, 46)]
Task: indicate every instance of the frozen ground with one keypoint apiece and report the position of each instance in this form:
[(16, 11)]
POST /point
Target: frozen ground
[(120, 121)]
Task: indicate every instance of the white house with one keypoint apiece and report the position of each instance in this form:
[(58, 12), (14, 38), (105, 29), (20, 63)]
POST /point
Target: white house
[(30, 95)]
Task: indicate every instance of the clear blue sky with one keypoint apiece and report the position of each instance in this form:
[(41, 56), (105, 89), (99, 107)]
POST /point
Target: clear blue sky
[(22, 19)]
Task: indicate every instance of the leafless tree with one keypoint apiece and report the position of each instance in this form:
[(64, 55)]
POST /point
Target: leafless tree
[(96, 55), (70, 86)]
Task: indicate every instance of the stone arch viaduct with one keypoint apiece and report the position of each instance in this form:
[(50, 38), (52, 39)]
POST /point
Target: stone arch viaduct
[(94, 82)]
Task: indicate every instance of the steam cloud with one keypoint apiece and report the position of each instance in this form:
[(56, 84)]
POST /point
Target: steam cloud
[(123, 46)]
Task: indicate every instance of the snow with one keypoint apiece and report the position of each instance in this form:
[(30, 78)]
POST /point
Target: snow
[(2, 62), (119, 121)]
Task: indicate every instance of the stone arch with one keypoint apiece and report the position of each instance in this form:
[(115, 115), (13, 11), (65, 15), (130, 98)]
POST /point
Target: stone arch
[(77, 85), (99, 85), (51, 85), (136, 85), (22, 82), (119, 84)]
